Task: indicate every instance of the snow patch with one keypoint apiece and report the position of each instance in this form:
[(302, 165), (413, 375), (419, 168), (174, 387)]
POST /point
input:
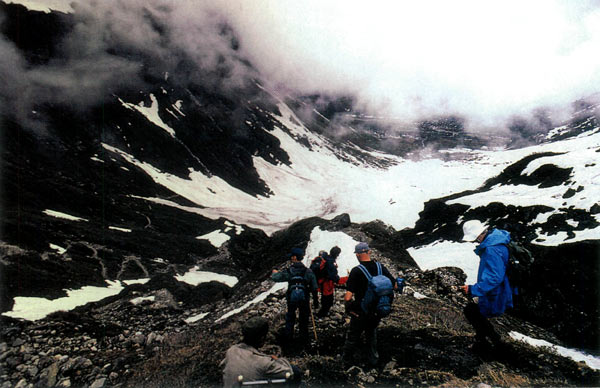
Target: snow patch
[(216, 238), (136, 281), (196, 318), (448, 254), (177, 107), (58, 248), (238, 228), (323, 240), (54, 213), (151, 113), (194, 277), (119, 229), (46, 6), (259, 298), (562, 237), (142, 299), (542, 218), (576, 355), (34, 308)]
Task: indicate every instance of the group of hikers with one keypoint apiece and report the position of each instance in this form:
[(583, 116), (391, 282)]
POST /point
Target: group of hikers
[(368, 298)]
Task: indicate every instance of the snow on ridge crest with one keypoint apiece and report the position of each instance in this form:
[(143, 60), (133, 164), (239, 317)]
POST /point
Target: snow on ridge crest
[(151, 113)]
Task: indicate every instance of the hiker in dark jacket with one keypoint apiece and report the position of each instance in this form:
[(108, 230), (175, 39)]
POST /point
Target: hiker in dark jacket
[(492, 294), (360, 321), (300, 280), (328, 279), (244, 359)]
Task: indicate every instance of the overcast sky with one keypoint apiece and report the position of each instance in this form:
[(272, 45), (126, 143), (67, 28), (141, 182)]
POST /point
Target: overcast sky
[(479, 57), (487, 60)]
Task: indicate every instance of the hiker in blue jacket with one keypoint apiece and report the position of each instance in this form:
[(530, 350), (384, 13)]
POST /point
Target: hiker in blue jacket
[(492, 294)]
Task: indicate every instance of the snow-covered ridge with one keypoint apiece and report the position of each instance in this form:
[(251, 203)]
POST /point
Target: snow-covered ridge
[(578, 154), (151, 113), (57, 214), (318, 183)]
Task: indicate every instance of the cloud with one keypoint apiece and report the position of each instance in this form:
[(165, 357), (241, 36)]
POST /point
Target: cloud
[(486, 60), (11, 76), (114, 46)]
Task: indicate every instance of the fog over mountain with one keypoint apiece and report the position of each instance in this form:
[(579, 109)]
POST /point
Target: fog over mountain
[(485, 62)]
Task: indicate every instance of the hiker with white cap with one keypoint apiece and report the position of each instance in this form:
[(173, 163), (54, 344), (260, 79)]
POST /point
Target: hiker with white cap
[(492, 293)]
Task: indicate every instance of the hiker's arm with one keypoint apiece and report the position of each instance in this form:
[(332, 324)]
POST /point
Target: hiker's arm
[(312, 280), (348, 302), (332, 272), (276, 367), (281, 276), (388, 274), (314, 287), (493, 271)]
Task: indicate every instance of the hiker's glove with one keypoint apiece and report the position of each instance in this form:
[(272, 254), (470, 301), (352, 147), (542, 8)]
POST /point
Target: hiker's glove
[(464, 289)]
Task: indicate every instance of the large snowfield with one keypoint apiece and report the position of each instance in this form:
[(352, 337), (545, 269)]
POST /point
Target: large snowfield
[(317, 183)]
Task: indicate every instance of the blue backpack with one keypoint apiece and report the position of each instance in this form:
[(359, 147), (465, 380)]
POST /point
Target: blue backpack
[(297, 286), (380, 291)]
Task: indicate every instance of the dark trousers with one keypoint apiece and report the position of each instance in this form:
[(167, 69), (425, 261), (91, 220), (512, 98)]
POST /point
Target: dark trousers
[(326, 304), (352, 349), (303, 309), (483, 327)]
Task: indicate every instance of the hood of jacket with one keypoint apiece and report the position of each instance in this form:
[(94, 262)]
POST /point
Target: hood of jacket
[(495, 237)]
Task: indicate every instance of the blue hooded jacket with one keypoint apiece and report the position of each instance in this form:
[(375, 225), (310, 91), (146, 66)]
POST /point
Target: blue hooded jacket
[(492, 287)]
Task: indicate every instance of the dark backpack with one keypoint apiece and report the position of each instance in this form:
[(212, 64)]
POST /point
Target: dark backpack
[(297, 285), (317, 266), (520, 260), (380, 292)]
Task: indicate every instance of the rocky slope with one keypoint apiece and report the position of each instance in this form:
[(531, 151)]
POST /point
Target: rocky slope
[(141, 338)]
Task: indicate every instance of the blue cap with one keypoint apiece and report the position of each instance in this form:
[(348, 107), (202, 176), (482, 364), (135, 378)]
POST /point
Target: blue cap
[(298, 252), (361, 247)]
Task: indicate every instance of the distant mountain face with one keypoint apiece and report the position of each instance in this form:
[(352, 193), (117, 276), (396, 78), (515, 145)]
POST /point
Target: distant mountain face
[(125, 165), (122, 188)]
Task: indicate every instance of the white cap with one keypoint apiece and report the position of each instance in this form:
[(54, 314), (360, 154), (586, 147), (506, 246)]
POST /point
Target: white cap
[(472, 229)]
